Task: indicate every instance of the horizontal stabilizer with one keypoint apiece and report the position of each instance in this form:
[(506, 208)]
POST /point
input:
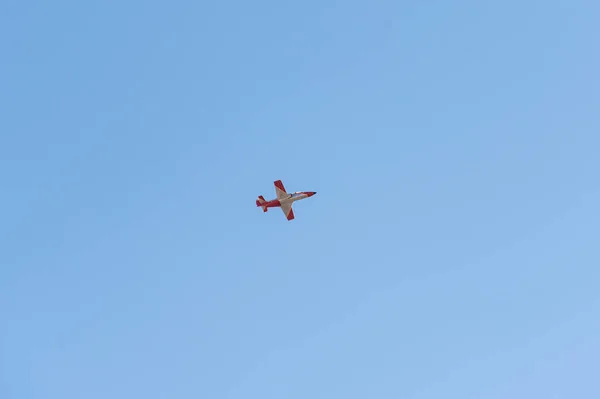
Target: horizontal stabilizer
[(260, 201)]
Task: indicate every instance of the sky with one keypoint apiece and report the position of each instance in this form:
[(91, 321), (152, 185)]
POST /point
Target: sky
[(452, 249)]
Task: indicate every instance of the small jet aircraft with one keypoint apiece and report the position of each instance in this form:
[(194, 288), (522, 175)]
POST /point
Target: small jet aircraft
[(284, 200)]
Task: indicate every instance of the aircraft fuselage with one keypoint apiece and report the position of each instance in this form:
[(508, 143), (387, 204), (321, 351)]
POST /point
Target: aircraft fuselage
[(293, 197)]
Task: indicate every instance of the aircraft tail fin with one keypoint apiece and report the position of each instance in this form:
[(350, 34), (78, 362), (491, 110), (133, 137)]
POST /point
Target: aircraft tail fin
[(260, 201)]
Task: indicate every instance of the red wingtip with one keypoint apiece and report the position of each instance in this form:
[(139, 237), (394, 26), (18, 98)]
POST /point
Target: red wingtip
[(279, 185), (290, 216)]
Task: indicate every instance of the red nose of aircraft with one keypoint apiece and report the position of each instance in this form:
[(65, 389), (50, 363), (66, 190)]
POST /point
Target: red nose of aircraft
[(311, 193)]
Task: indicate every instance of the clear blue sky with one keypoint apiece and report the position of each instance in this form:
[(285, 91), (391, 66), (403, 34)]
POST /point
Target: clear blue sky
[(452, 250)]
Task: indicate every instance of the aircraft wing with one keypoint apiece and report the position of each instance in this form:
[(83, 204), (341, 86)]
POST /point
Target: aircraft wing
[(288, 211), (280, 190)]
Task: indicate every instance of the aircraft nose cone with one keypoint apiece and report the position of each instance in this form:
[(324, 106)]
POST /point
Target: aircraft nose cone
[(310, 194)]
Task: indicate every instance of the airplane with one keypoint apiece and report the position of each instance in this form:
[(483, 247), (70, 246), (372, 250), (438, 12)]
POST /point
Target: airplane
[(284, 200)]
